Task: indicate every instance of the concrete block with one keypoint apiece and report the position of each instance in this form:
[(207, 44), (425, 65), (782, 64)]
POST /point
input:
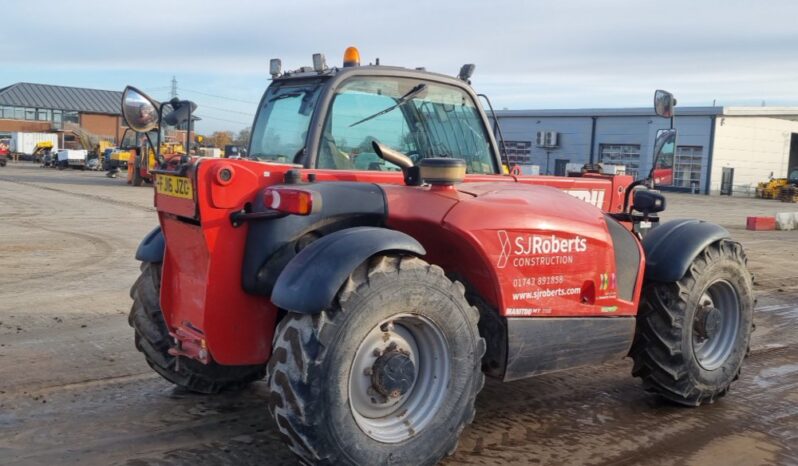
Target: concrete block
[(785, 221)]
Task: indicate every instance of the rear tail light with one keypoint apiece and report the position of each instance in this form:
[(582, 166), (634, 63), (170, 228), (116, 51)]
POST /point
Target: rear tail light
[(292, 201)]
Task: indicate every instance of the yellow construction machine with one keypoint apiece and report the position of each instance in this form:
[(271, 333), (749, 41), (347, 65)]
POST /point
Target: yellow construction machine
[(140, 173), (770, 189), (42, 153)]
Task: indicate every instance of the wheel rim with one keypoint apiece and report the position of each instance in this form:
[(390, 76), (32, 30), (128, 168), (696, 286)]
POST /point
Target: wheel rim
[(399, 377), (716, 324)]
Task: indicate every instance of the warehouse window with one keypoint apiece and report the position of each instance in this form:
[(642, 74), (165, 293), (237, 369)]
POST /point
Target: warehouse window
[(43, 114), (627, 155), (30, 113), (7, 112), (519, 152), (72, 117), (687, 166), (19, 113), (57, 116)]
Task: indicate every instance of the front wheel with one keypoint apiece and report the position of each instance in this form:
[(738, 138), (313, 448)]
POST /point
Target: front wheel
[(152, 338), (388, 375), (693, 334)]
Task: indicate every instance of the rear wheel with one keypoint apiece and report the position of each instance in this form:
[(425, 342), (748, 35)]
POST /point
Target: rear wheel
[(693, 334), (152, 338), (388, 375)]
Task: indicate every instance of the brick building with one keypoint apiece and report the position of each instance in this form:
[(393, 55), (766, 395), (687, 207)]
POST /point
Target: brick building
[(66, 110)]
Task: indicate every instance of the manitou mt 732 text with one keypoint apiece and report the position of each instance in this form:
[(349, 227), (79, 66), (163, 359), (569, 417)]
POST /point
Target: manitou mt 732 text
[(373, 261)]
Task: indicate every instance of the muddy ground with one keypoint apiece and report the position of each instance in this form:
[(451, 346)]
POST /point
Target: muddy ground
[(74, 390)]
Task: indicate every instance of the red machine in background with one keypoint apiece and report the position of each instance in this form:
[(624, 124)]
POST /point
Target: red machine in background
[(3, 152)]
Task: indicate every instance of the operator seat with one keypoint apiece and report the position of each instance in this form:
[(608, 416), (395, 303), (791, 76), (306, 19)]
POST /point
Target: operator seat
[(332, 157)]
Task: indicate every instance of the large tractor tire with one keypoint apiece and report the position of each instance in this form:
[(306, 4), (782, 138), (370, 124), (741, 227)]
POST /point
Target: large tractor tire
[(387, 375), (693, 334), (152, 338)]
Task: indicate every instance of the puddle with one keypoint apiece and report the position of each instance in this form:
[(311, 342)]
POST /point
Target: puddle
[(770, 376)]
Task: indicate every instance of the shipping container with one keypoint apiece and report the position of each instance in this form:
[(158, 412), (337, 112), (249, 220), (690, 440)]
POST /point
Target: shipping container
[(25, 143)]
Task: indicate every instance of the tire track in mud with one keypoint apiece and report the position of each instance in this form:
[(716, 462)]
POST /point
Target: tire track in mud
[(93, 197), (22, 207), (82, 385), (145, 421), (620, 424), (97, 251)]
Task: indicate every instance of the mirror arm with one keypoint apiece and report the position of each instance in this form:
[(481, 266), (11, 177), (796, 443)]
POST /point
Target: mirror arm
[(184, 158), (628, 193), (498, 129), (158, 157)]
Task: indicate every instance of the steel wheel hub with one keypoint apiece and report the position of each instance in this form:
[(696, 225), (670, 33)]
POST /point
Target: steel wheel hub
[(715, 325), (399, 378), (393, 373), (708, 321)]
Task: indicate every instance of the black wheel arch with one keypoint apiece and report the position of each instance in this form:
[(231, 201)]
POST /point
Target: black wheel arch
[(672, 246), (309, 282), (272, 244), (151, 248)]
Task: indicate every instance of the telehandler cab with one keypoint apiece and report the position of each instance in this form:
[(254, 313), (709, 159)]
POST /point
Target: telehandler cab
[(371, 259)]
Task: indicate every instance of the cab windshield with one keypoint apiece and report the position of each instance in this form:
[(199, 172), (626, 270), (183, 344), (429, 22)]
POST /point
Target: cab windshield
[(421, 119)]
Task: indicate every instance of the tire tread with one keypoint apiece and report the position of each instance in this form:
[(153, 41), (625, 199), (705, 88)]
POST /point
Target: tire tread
[(153, 340), (292, 404)]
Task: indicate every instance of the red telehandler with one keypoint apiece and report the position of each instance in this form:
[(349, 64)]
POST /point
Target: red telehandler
[(372, 261)]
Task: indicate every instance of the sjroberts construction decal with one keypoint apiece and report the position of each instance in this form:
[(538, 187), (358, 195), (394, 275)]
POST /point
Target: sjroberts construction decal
[(591, 196), (531, 250)]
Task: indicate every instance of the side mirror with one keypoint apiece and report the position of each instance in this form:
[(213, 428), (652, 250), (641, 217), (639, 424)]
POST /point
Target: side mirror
[(139, 110), (181, 112), (664, 102), (648, 202)]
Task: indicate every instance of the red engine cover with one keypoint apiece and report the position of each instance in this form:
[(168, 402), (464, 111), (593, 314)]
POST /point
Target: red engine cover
[(528, 250)]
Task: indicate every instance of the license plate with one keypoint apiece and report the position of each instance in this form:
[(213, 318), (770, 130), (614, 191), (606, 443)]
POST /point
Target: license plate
[(175, 186)]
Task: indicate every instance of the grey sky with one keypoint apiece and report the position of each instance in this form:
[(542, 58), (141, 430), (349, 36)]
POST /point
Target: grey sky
[(528, 54)]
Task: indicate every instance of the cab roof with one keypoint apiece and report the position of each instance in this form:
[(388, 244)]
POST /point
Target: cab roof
[(307, 72)]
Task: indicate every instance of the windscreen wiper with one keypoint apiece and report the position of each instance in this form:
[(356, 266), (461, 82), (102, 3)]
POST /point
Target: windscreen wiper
[(413, 93), (286, 96)]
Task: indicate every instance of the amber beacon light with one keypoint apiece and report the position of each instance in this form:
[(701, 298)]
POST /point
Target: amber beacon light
[(351, 57)]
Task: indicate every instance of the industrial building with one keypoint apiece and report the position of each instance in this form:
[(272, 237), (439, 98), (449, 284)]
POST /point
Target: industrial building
[(43, 108), (79, 116), (719, 149)]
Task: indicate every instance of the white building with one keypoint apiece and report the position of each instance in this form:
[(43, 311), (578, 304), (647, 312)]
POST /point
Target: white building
[(741, 145)]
